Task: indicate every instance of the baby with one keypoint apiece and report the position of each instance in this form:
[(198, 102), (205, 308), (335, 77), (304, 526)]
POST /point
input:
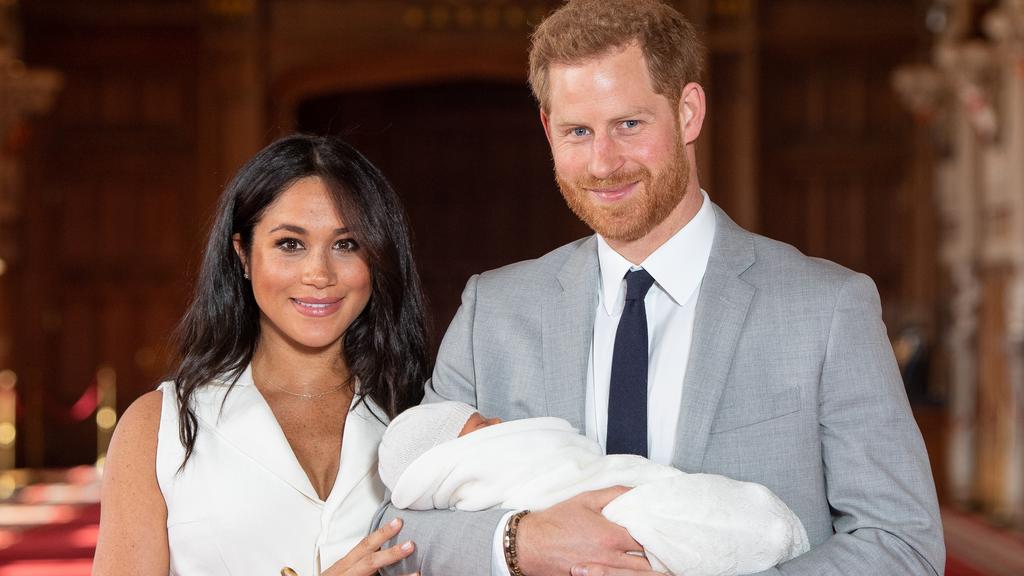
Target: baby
[(447, 456)]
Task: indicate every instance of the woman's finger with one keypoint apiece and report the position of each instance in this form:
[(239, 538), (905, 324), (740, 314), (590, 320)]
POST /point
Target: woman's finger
[(370, 565), (366, 547), (374, 540)]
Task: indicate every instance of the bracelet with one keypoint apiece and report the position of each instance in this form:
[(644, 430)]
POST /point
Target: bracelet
[(509, 543)]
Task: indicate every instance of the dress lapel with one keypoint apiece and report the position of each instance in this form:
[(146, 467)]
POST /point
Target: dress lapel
[(721, 311), (246, 423), (568, 331), (358, 449)]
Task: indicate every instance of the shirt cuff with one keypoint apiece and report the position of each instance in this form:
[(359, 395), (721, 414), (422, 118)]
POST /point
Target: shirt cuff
[(498, 565)]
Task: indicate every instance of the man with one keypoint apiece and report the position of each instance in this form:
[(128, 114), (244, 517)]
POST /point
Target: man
[(756, 362)]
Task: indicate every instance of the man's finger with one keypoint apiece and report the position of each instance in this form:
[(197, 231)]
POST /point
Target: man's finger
[(598, 499), (617, 542), (602, 570), (624, 561)]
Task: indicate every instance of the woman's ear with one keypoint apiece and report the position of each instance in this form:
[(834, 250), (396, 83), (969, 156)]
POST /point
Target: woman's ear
[(236, 240)]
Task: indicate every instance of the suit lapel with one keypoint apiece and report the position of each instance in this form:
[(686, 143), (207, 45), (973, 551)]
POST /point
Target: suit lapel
[(721, 311), (568, 331)]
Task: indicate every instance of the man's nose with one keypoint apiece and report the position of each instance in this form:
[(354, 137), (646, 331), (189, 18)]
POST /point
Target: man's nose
[(605, 157)]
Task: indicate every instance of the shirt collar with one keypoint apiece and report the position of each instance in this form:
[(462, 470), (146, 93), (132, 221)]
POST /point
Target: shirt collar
[(677, 266)]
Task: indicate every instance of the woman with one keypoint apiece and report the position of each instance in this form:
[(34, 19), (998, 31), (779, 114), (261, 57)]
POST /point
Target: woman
[(306, 330)]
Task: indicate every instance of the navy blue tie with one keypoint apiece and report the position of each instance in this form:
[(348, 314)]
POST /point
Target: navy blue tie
[(627, 393)]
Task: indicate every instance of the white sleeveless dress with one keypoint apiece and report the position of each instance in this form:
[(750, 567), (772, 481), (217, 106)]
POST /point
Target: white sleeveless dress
[(243, 505)]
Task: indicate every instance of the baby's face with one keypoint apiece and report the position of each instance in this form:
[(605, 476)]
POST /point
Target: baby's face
[(476, 422)]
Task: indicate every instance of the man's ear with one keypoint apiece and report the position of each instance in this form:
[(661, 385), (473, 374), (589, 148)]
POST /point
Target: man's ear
[(691, 111), (546, 122), (236, 241)]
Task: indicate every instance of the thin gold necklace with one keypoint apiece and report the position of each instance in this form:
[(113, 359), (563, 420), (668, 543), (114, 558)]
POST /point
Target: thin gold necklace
[(305, 396)]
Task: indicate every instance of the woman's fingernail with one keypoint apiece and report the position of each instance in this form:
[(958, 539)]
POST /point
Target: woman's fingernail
[(395, 523), (407, 546), (579, 571)]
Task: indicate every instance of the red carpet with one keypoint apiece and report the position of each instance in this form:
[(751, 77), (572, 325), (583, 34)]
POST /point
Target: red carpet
[(50, 530)]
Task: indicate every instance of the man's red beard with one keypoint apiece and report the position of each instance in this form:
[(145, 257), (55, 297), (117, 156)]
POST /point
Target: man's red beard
[(634, 217)]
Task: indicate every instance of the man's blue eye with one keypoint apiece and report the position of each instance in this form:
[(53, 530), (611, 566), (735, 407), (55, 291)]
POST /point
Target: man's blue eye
[(579, 132), (631, 123)]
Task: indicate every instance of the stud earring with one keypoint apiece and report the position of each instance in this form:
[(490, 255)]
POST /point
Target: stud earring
[(245, 275)]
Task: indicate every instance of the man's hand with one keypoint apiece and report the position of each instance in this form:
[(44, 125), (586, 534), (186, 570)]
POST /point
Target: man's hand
[(575, 534)]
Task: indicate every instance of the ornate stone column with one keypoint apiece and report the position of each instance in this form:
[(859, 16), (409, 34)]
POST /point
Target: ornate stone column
[(975, 89), (1005, 25)]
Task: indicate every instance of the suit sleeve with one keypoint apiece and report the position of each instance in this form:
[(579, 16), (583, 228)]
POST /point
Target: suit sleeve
[(448, 541), (879, 484)]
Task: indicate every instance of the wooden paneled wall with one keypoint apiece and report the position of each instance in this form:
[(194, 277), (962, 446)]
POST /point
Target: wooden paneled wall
[(110, 216), (836, 144)]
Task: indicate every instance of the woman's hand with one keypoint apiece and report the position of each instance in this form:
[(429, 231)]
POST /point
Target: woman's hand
[(367, 557)]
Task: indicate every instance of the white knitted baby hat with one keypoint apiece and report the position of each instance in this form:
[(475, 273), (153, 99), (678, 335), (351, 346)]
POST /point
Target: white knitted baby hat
[(415, 431)]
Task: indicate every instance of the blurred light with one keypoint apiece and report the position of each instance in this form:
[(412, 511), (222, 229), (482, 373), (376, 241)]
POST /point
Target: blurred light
[(105, 418), (7, 433), (3, 266), (7, 486), (8, 379), (17, 515)]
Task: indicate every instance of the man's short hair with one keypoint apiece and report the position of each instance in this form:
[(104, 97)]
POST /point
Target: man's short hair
[(585, 29)]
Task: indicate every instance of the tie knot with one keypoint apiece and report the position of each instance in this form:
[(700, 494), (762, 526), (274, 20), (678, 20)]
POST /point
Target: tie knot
[(638, 282)]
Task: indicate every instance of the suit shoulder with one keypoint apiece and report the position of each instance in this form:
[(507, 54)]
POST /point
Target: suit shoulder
[(784, 266), (537, 272)]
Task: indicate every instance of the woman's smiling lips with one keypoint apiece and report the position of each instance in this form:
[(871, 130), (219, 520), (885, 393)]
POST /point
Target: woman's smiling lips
[(316, 307), (613, 194)]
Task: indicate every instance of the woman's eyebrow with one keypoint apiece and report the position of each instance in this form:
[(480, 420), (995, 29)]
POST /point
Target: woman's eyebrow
[(300, 230)]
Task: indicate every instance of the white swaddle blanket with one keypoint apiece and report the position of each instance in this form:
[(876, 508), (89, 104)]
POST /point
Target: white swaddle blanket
[(688, 524)]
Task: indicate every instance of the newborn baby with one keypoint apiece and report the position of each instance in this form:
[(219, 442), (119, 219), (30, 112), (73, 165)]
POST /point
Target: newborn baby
[(447, 456)]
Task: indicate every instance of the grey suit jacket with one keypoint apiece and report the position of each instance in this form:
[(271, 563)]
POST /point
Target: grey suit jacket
[(791, 383)]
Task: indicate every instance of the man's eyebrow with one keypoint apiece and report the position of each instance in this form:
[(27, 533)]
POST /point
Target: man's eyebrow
[(300, 230), (566, 123), (642, 111)]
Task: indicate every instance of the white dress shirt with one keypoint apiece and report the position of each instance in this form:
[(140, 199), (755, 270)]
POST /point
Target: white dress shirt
[(677, 267)]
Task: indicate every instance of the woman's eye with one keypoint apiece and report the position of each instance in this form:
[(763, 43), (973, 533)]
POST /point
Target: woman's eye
[(347, 245), (289, 244)]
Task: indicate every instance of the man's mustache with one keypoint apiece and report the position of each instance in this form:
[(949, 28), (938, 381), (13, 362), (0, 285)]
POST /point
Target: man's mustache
[(616, 180)]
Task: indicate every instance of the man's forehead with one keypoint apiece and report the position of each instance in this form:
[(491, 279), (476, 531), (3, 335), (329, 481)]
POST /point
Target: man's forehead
[(616, 84), (628, 49)]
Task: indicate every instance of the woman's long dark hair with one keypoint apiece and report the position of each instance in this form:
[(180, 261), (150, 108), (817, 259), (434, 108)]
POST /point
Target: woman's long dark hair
[(385, 347)]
